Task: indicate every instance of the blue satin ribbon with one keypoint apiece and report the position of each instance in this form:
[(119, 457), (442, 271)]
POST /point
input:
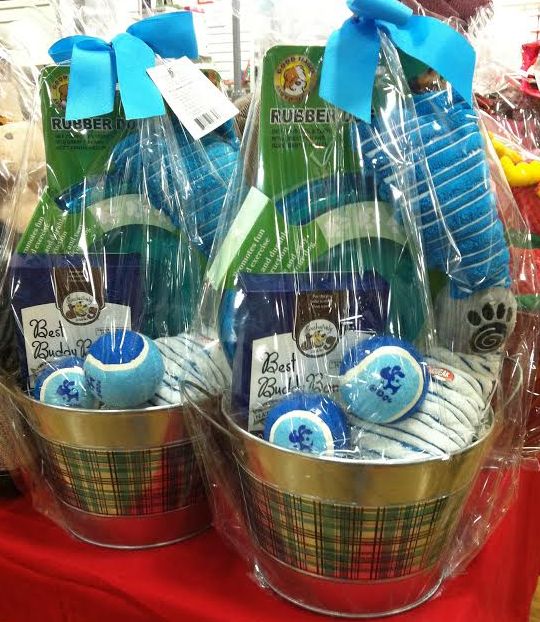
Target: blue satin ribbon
[(97, 66), (352, 53)]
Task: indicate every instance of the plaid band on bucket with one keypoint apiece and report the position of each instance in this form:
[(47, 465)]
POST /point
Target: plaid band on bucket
[(348, 541), (126, 483)]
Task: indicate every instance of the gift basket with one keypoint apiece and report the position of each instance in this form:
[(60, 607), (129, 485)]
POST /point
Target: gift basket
[(360, 292), (103, 284)]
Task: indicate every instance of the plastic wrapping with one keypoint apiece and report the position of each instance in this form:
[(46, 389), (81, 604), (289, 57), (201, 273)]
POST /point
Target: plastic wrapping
[(520, 171), (358, 321), (511, 113), (17, 86), (110, 264)]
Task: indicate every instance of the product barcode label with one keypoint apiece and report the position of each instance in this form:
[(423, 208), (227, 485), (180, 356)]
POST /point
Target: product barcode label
[(199, 105), (207, 119)]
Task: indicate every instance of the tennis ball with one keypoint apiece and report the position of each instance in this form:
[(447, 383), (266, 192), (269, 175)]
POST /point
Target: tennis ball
[(62, 383), (307, 422), (383, 379), (123, 369)]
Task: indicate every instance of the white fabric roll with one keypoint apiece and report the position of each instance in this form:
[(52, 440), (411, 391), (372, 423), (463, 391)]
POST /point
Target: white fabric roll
[(453, 415), (195, 359)]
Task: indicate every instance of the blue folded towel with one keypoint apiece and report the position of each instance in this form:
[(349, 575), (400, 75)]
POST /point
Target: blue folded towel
[(452, 227)]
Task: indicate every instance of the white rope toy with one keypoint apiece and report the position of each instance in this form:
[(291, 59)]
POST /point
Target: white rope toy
[(194, 359), (453, 415)]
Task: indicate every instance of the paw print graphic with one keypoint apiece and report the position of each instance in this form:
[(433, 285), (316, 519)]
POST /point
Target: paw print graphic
[(490, 326), (478, 324)]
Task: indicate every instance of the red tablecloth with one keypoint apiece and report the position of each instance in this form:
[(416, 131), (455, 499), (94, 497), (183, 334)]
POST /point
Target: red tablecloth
[(47, 576)]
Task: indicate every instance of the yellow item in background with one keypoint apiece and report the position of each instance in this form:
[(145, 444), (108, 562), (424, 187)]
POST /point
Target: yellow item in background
[(500, 148), (513, 155), (520, 174)]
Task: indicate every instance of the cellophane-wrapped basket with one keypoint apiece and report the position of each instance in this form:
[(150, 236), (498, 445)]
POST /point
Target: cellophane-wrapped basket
[(358, 317), (103, 281)]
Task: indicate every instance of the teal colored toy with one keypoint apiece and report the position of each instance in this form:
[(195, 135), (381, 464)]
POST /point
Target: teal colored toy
[(62, 383), (383, 379), (170, 280), (308, 423), (123, 369)]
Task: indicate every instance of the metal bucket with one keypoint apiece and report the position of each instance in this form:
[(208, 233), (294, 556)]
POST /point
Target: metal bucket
[(123, 479), (351, 538)]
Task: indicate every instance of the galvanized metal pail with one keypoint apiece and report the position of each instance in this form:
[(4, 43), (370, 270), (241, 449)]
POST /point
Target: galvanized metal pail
[(351, 538), (123, 479)]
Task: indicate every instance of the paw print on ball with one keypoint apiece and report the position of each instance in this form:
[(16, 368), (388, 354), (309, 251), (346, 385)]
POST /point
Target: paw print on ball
[(491, 327)]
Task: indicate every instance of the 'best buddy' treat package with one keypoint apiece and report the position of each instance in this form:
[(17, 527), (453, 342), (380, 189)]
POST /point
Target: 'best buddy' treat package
[(63, 299)]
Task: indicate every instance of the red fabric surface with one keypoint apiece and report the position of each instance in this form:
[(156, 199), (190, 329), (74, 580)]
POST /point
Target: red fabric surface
[(528, 201), (47, 576), (525, 265)]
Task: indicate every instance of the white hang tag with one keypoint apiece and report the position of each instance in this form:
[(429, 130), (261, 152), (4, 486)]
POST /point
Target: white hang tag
[(199, 105)]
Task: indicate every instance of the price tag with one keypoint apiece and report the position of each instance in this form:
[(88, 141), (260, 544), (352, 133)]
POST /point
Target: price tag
[(199, 105)]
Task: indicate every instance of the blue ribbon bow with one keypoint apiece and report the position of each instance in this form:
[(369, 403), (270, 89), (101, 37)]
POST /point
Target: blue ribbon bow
[(96, 66), (352, 53)]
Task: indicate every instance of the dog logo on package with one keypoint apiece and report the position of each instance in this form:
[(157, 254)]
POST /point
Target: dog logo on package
[(59, 91), (295, 78), (318, 338), (79, 294), (316, 325)]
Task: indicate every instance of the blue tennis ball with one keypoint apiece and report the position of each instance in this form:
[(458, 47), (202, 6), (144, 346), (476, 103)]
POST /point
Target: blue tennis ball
[(62, 383), (383, 379), (307, 422), (123, 369)]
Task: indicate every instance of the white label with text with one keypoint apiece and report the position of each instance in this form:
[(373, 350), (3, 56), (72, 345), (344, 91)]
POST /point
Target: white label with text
[(278, 367), (199, 105), (48, 335)]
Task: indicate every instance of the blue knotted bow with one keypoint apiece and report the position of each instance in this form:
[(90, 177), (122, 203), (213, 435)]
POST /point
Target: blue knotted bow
[(352, 53), (96, 66)]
